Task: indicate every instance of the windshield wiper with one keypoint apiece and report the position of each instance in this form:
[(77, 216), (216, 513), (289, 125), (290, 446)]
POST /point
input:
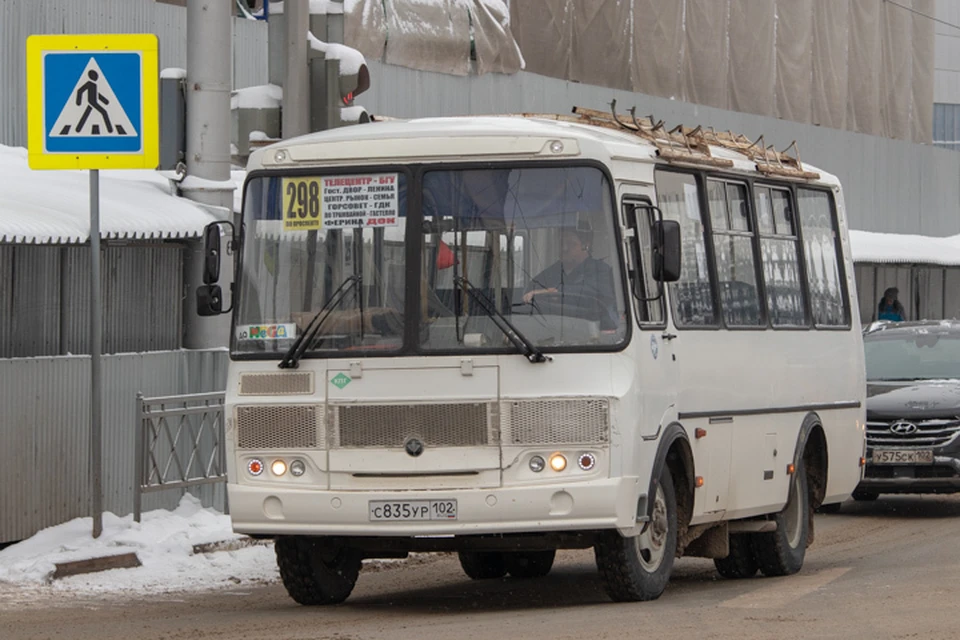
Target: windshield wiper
[(519, 340), (292, 358)]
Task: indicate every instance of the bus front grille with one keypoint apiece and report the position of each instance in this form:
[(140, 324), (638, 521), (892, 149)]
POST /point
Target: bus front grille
[(556, 421), (276, 384), (391, 425), (280, 426)]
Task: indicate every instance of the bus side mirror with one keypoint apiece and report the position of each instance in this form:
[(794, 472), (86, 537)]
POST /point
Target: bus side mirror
[(211, 253), (666, 250), (209, 300)]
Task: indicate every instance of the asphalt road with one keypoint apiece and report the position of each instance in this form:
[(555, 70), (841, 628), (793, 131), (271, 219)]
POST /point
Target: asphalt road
[(887, 569)]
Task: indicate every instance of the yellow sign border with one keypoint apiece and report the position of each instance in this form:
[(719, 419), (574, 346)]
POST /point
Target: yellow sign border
[(148, 47)]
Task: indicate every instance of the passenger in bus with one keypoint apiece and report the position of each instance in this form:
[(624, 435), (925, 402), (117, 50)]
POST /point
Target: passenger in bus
[(580, 276), (889, 307)]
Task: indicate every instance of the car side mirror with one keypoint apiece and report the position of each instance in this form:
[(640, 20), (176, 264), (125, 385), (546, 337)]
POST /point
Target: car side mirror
[(666, 250), (209, 300)]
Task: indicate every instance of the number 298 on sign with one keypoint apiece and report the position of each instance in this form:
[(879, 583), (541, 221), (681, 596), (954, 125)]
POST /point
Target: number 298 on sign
[(301, 204)]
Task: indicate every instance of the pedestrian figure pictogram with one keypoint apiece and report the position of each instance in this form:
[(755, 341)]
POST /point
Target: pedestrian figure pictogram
[(93, 97), (92, 109)]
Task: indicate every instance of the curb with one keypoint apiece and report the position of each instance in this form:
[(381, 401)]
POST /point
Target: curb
[(93, 565)]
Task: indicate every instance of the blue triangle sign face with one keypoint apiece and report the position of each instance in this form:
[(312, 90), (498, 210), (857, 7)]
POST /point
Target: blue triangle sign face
[(92, 102)]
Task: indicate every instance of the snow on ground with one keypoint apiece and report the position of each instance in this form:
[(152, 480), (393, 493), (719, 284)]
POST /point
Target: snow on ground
[(163, 541)]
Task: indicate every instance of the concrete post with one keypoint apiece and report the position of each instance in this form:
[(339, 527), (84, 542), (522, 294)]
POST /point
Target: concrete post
[(296, 83), (209, 81)]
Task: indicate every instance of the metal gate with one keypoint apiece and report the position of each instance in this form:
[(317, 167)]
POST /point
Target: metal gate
[(179, 443)]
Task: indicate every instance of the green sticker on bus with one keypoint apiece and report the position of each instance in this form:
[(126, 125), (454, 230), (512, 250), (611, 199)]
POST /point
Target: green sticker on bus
[(341, 380)]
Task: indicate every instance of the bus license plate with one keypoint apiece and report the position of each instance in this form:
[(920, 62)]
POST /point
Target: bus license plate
[(902, 456), (413, 510)]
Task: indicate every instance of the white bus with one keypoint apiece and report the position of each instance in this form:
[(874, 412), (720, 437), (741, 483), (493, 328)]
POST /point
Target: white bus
[(504, 336)]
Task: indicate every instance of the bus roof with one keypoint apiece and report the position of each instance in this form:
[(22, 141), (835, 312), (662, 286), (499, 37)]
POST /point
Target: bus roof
[(586, 134)]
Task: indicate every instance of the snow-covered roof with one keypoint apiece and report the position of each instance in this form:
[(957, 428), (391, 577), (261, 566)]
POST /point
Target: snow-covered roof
[(53, 207), (896, 248)]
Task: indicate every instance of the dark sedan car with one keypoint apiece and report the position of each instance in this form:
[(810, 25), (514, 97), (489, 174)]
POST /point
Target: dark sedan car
[(913, 408)]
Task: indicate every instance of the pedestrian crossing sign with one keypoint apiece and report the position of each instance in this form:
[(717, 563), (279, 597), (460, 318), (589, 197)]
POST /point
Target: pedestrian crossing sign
[(92, 101)]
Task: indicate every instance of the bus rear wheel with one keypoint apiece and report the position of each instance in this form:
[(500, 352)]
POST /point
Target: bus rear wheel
[(530, 564), (315, 572), (741, 562), (638, 568), (781, 552), (483, 565)]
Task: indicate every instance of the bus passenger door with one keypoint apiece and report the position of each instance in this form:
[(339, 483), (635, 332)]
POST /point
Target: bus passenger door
[(656, 362)]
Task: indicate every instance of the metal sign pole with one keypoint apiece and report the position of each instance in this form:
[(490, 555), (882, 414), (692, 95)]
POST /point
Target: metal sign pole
[(96, 466)]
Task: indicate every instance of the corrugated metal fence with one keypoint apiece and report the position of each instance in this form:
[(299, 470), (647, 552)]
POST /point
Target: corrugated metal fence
[(22, 18), (45, 298), (45, 432)]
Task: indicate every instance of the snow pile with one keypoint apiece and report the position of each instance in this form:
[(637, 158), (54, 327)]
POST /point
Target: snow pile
[(164, 543), (350, 59), (265, 96), (869, 246), (54, 206)]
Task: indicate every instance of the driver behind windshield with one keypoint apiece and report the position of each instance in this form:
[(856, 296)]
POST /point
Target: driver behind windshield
[(586, 280)]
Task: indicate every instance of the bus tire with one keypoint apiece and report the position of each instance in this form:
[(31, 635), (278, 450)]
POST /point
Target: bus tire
[(740, 563), (530, 564), (483, 565), (833, 507), (315, 573), (781, 552), (638, 568)]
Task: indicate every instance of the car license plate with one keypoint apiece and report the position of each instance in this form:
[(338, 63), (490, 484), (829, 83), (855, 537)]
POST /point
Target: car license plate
[(902, 456), (413, 510)]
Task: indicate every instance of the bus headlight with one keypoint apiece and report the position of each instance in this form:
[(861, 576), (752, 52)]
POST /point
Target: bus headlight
[(558, 462), (297, 468), (279, 467), (537, 464)]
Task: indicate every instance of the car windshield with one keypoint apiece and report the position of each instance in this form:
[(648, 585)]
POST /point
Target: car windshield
[(536, 246), (923, 354)]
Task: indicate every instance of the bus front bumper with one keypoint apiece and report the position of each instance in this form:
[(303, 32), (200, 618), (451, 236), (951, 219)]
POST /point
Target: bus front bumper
[(599, 504)]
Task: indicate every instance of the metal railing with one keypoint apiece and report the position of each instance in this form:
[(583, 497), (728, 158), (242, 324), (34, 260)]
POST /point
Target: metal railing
[(179, 443)]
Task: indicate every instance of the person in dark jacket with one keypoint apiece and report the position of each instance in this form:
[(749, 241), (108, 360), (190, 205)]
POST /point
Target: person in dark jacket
[(889, 307), (579, 275)]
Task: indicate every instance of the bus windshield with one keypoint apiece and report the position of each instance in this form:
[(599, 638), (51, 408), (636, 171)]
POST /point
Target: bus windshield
[(536, 245)]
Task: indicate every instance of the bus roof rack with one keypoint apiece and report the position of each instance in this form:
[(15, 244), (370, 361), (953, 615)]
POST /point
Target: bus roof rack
[(683, 145)]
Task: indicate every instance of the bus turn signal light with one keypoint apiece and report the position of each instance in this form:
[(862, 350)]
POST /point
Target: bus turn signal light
[(698, 481), (790, 469)]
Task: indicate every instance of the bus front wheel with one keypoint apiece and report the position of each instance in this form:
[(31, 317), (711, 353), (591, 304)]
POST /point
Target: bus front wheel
[(638, 568), (483, 565), (315, 572)]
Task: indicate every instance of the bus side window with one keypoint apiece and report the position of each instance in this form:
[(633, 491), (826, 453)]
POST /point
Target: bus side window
[(779, 250), (821, 248), (643, 285), (692, 297), (733, 251)]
